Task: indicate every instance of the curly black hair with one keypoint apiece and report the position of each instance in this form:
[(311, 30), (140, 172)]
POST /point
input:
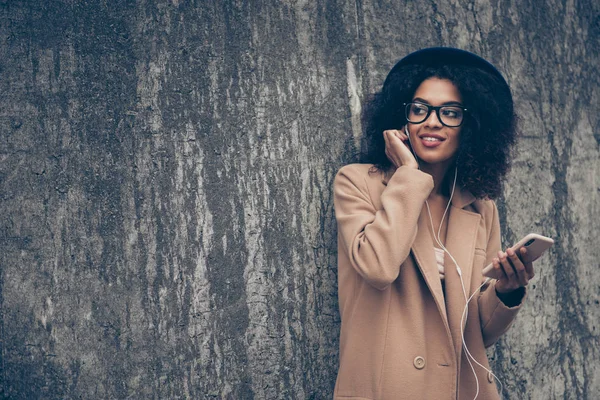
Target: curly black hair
[(487, 134)]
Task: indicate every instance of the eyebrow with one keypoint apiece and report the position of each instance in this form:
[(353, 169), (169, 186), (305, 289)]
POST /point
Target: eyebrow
[(448, 103)]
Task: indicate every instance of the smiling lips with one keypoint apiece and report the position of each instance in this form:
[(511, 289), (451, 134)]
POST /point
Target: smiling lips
[(431, 140)]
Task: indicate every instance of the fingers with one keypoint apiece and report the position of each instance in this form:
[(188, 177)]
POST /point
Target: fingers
[(518, 267), (385, 138), (506, 283), (391, 135), (400, 135), (528, 265), (499, 270), (396, 148), (508, 270), (387, 147), (392, 156), (514, 273)]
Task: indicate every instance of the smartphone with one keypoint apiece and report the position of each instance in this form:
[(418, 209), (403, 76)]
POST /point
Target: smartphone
[(536, 246)]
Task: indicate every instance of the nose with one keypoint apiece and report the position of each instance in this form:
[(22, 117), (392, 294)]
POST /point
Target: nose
[(433, 120)]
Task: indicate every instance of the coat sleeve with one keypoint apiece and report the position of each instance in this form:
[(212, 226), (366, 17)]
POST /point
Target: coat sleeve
[(377, 241), (494, 315)]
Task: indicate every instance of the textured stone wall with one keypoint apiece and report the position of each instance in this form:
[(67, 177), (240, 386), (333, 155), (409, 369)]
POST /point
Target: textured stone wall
[(166, 220)]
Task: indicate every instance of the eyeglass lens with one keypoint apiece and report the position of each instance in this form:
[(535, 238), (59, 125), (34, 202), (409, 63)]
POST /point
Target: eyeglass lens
[(448, 115)]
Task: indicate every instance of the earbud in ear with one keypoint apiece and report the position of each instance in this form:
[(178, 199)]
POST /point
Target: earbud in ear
[(406, 130)]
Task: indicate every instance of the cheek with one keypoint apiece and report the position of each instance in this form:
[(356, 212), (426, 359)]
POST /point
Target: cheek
[(456, 139), (454, 145)]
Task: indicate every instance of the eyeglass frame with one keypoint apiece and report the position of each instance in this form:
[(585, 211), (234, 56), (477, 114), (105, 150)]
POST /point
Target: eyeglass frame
[(437, 113)]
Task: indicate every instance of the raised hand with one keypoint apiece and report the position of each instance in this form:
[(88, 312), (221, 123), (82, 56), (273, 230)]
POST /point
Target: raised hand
[(397, 149)]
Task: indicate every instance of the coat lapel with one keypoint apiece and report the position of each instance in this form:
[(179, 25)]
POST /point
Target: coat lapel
[(461, 239), (422, 249)]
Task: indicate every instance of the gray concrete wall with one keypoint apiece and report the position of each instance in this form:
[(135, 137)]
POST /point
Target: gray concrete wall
[(166, 221)]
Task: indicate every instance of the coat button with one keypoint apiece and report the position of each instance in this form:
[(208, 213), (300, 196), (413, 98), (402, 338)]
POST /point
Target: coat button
[(419, 362), (490, 377)]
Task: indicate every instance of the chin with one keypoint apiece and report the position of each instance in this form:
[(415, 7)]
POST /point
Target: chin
[(433, 159), (433, 162), (435, 156)]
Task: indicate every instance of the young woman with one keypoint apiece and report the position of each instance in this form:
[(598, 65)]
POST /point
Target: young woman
[(416, 226)]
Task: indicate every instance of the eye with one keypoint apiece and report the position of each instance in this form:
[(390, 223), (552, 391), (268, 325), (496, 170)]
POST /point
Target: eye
[(452, 112), (418, 109)]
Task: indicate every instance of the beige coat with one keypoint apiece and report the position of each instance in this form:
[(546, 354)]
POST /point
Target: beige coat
[(401, 333)]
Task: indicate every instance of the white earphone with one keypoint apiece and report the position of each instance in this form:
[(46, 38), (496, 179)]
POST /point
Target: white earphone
[(464, 316)]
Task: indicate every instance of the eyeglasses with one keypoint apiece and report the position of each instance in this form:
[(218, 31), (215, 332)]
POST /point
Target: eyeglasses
[(450, 116)]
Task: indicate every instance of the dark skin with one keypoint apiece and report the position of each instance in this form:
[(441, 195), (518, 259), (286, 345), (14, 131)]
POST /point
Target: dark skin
[(515, 274)]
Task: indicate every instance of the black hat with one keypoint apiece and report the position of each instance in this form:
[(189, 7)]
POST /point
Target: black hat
[(436, 56)]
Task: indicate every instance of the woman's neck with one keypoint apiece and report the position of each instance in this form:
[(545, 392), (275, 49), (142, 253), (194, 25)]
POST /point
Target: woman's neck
[(438, 171)]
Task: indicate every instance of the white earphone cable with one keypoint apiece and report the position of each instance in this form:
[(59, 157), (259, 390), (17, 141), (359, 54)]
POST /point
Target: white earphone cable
[(465, 312), (438, 240)]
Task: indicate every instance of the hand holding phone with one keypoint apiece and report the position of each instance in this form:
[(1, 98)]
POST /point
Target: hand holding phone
[(535, 244)]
